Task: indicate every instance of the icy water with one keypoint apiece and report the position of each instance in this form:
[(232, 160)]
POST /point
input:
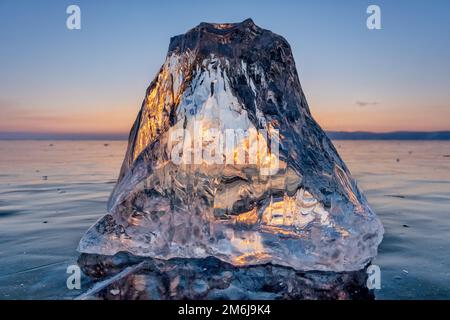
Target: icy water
[(52, 191)]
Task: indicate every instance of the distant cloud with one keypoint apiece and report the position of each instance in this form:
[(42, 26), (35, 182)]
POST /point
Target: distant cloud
[(366, 103)]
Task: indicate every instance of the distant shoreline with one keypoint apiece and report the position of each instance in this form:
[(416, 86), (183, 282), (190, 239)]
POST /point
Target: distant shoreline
[(398, 135), (333, 135)]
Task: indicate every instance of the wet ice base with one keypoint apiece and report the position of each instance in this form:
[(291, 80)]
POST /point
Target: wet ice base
[(211, 279)]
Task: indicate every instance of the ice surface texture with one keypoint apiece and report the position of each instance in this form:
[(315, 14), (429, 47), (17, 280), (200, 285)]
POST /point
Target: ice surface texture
[(308, 215)]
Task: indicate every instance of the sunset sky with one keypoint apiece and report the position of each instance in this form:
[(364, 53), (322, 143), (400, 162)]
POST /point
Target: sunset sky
[(93, 80)]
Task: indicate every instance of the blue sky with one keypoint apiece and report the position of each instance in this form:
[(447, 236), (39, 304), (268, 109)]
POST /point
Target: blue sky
[(93, 80)]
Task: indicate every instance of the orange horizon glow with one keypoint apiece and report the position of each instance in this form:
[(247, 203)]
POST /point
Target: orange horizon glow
[(92, 81), (117, 123)]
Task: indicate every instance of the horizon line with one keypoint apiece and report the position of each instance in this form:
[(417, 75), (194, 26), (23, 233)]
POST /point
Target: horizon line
[(332, 134)]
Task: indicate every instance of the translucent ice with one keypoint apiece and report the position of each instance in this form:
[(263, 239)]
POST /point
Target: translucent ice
[(244, 203)]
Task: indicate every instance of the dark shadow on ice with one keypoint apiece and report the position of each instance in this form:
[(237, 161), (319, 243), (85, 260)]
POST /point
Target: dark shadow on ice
[(211, 278)]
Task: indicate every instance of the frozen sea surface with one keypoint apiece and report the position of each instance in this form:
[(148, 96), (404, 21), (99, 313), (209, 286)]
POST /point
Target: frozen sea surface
[(52, 191)]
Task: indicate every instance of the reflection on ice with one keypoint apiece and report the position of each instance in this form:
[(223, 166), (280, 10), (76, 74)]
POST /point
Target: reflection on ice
[(211, 278)]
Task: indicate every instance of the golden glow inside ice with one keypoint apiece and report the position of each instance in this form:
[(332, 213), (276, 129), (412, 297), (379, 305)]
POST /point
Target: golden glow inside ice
[(248, 218), (251, 247), (223, 26), (153, 117), (297, 211), (162, 97), (243, 259), (253, 149), (288, 215)]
